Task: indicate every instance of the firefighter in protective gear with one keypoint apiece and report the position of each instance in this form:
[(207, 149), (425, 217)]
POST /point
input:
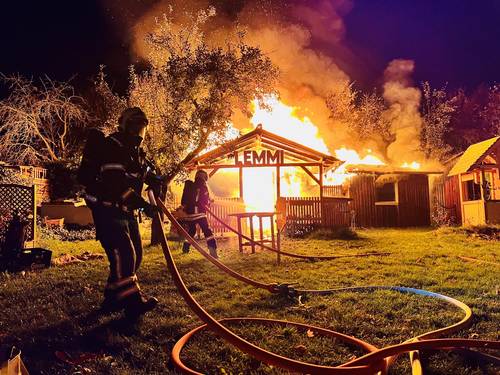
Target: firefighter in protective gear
[(195, 200), (114, 203)]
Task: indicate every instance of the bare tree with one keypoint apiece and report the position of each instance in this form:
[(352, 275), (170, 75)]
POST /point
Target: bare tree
[(37, 122), (437, 110)]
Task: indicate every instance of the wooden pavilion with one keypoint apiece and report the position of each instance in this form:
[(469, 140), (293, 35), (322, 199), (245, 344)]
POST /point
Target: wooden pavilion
[(261, 148)]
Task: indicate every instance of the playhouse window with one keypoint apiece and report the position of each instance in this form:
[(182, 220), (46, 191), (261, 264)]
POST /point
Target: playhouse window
[(386, 193), (471, 190)]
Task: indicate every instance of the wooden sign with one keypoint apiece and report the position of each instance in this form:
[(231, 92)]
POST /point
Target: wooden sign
[(263, 157)]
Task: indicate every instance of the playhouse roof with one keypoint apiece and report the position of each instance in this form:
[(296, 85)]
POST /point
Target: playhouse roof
[(473, 155), (265, 139)]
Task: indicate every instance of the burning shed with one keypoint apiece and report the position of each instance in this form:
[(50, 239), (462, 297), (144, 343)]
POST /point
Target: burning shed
[(472, 187), (372, 195), (387, 197)]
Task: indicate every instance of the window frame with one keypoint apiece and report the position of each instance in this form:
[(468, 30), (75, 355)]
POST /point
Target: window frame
[(395, 202)]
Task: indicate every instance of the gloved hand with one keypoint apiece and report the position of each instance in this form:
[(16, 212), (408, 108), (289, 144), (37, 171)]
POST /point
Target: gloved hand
[(150, 210)]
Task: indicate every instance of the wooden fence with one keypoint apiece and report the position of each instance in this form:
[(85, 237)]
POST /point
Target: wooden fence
[(335, 191), (39, 178), (222, 207), (313, 213)]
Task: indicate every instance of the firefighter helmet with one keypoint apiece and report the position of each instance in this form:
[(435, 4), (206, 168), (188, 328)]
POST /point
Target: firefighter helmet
[(201, 174), (133, 120)]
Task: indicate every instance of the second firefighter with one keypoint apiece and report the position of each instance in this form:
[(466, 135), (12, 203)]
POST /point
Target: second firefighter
[(195, 200)]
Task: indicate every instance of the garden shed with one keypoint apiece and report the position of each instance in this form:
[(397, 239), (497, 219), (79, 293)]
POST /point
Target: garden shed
[(472, 187), (385, 197)]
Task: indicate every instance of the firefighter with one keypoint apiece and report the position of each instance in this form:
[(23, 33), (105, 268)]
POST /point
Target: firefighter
[(195, 200), (114, 199)]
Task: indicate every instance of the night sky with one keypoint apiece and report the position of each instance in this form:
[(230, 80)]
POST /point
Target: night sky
[(454, 41)]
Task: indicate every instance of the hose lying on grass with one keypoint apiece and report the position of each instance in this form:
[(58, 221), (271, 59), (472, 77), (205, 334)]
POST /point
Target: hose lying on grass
[(292, 255), (375, 361)]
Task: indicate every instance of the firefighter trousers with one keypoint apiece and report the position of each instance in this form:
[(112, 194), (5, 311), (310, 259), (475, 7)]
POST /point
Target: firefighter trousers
[(190, 226), (120, 237)]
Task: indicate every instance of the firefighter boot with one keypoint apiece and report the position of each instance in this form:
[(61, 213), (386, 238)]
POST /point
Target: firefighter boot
[(213, 252), (109, 306), (185, 247), (140, 306)]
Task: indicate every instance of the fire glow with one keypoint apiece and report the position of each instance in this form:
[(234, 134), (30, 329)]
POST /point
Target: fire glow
[(259, 184)]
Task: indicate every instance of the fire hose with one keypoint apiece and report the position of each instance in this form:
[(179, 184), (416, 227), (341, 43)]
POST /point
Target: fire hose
[(292, 255), (375, 361)]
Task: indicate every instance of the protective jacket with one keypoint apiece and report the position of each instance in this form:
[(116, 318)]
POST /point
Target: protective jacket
[(195, 197), (123, 171)]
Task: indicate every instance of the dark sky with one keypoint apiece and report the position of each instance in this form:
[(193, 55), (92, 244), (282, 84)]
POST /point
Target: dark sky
[(455, 41)]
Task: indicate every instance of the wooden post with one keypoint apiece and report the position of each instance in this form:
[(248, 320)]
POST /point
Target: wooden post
[(273, 241), (278, 244), (252, 244), (482, 182), (240, 242), (241, 181), (278, 183), (321, 205), (261, 231)]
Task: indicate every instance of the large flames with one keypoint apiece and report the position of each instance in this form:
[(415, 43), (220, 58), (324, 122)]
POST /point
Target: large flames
[(259, 184)]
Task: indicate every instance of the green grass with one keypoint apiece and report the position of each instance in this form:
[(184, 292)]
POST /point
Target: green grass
[(46, 311)]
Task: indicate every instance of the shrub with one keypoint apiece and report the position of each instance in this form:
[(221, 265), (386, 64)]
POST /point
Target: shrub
[(68, 233)]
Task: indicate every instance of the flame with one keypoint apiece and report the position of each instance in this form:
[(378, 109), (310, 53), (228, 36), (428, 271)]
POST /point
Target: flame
[(413, 165), (259, 184), (350, 157), (283, 120)]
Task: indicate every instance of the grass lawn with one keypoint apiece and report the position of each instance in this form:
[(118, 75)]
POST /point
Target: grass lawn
[(47, 311)]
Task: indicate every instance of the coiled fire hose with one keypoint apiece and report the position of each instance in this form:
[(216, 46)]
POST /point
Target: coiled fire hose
[(292, 255), (376, 361)]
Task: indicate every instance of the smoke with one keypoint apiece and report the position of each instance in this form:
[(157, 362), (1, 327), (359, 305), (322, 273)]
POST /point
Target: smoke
[(287, 31), (403, 113), (303, 39)]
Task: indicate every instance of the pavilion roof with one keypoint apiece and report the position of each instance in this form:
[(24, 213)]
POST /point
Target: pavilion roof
[(267, 140)]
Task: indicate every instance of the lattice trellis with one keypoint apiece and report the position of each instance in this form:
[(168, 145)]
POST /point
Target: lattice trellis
[(23, 200)]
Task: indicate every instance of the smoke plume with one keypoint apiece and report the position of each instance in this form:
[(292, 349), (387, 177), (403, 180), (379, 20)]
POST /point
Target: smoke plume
[(403, 112), (303, 38)]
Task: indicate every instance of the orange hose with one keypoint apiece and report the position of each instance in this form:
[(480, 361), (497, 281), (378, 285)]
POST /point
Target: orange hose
[(292, 255), (377, 360)]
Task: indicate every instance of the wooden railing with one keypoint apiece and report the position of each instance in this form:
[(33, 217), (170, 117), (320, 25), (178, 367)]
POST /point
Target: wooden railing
[(335, 191), (36, 173), (314, 212), (222, 207)]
